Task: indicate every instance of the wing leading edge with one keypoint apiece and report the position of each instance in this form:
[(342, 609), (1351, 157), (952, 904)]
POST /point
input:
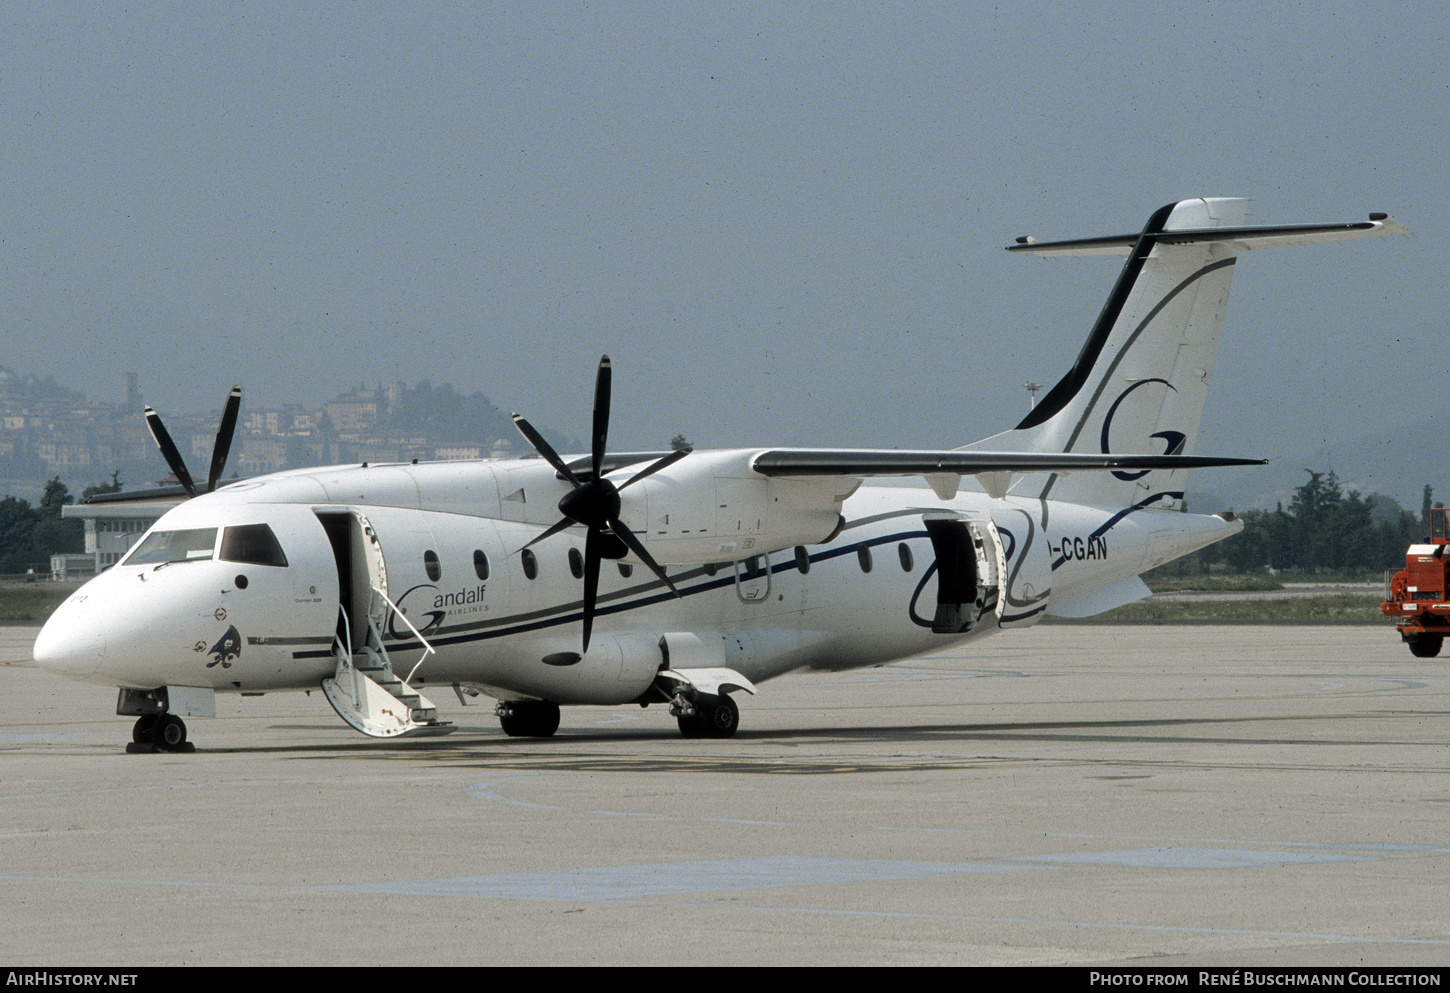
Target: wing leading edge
[(943, 469)]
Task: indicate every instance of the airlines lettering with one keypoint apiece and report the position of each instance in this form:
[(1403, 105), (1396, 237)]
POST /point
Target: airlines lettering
[(459, 599), (1093, 547)]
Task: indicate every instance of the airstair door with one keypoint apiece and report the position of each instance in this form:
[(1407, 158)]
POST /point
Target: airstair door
[(361, 573)]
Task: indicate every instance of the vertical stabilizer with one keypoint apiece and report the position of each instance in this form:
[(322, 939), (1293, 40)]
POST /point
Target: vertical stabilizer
[(1139, 384)]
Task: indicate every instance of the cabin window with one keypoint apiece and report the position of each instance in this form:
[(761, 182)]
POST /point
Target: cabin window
[(576, 563), (802, 559), (863, 555), (711, 568), (905, 553), (753, 567), (193, 545), (480, 563), (254, 544), (531, 564), (432, 566), (626, 570)]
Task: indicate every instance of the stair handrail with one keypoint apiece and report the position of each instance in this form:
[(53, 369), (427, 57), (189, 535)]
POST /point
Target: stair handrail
[(427, 648), (344, 650)]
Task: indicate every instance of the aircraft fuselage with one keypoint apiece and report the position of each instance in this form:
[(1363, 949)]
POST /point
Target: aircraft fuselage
[(447, 554)]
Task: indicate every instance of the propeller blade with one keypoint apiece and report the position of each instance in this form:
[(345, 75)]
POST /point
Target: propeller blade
[(591, 580), (169, 452), (563, 525), (656, 466), (595, 504), (224, 432), (602, 387), (543, 448), (627, 536)]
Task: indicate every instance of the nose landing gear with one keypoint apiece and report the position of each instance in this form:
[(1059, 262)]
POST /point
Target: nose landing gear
[(159, 733)]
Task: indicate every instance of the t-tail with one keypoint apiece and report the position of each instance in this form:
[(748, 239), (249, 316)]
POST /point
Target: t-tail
[(1139, 384)]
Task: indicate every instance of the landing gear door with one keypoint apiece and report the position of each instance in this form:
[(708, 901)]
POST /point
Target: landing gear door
[(1028, 568)]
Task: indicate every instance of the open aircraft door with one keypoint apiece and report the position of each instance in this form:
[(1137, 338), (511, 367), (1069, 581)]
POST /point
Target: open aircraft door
[(969, 567), (1027, 586), (361, 573), (363, 689)]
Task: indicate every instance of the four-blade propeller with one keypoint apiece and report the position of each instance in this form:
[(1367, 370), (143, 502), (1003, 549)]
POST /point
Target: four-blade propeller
[(219, 451), (595, 502)]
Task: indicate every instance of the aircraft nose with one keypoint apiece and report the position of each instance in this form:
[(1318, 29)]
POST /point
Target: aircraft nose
[(70, 645)]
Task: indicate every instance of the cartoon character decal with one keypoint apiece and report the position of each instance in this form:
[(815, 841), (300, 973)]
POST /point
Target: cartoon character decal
[(228, 648)]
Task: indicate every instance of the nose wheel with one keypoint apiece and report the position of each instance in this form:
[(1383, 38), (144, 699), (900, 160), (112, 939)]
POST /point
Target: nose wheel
[(159, 733)]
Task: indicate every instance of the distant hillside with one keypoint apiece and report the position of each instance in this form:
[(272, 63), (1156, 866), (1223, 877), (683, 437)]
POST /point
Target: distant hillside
[(1396, 462), (47, 430)]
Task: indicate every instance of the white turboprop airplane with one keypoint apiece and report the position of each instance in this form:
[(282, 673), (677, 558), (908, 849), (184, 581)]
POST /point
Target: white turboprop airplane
[(380, 582)]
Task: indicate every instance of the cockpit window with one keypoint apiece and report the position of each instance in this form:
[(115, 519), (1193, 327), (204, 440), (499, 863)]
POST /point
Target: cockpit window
[(194, 545), (254, 544)]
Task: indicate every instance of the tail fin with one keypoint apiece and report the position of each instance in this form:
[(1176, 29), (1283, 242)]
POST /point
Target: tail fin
[(1139, 384)]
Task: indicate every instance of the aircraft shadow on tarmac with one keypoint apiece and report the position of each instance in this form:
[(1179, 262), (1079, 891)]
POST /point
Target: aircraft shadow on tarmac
[(491, 744)]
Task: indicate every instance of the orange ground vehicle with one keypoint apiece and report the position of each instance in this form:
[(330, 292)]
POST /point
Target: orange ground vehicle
[(1419, 595)]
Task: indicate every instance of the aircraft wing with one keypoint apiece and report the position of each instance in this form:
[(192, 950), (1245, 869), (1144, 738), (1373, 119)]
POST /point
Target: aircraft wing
[(867, 462), (943, 469)]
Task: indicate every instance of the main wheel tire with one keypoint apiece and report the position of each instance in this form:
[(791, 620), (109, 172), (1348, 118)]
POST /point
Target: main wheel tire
[(722, 719), (1426, 646), (142, 732), (531, 719), (715, 717), (169, 732)]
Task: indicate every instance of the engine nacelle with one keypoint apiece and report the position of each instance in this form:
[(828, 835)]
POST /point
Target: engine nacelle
[(713, 507)]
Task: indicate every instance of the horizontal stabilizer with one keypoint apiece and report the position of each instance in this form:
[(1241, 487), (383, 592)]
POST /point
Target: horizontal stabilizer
[(1239, 239)]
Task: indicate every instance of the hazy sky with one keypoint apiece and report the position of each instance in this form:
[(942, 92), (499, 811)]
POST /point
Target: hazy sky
[(784, 222)]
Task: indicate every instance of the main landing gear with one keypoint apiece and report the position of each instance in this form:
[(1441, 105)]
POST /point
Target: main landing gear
[(706, 716), (159, 733), (528, 718)]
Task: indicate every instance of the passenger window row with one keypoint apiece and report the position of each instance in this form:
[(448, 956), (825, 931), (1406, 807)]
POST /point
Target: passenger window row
[(433, 566), (753, 566)]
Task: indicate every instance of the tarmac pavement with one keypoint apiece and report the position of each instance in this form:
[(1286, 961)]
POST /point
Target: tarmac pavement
[(1085, 795)]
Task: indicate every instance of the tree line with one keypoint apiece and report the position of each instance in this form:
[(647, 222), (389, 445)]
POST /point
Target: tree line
[(1325, 530), (29, 536)]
